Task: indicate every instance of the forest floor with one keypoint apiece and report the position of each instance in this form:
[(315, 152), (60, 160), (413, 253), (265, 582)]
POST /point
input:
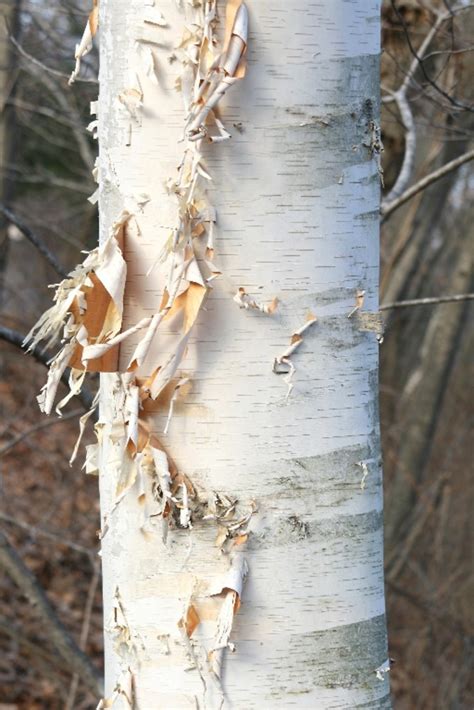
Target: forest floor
[(50, 513)]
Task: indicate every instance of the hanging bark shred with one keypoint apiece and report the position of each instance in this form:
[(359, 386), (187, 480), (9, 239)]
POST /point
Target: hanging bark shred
[(365, 473), (82, 426), (88, 309), (283, 363), (228, 588), (124, 688), (243, 299), (87, 318), (189, 621), (382, 669), (125, 646), (359, 302), (367, 321), (85, 45)]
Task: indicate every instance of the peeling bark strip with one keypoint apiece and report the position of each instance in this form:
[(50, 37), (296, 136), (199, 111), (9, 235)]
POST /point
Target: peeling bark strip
[(209, 475), (85, 45), (283, 363)]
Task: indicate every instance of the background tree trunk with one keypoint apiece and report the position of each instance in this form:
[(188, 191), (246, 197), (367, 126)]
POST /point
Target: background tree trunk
[(8, 76), (297, 194)]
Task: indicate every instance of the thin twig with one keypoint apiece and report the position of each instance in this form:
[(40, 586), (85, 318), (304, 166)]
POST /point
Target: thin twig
[(66, 100), (421, 53), (34, 239), (427, 301), (42, 66), (419, 59), (65, 645), (406, 114), (41, 425), (421, 513), (15, 338), (41, 111), (388, 207), (34, 531), (86, 623), (47, 661), (44, 178), (441, 614)]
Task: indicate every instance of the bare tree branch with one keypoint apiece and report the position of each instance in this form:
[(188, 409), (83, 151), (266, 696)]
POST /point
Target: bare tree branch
[(42, 66), (65, 645), (427, 301), (388, 206), (443, 616), (409, 154), (420, 54), (84, 631), (65, 99), (420, 515), (34, 531), (15, 338), (45, 178), (400, 98), (34, 239), (41, 425), (46, 661), (42, 111), (419, 58)]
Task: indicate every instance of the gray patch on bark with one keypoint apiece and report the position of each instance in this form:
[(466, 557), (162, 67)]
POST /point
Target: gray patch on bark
[(294, 528), (336, 467), (384, 703), (352, 73), (346, 656), (340, 332), (298, 529), (317, 483), (372, 216), (373, 407)]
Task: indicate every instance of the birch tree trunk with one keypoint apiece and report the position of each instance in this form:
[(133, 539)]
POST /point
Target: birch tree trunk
[(296, 191)]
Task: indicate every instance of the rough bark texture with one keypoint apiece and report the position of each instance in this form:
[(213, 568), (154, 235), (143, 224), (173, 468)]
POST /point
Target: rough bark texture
[(297, 192)]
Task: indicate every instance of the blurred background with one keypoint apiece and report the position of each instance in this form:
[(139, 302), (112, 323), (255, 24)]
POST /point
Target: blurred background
[(49, 511)]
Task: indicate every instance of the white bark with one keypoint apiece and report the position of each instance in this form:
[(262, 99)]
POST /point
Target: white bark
[(297, 195)]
